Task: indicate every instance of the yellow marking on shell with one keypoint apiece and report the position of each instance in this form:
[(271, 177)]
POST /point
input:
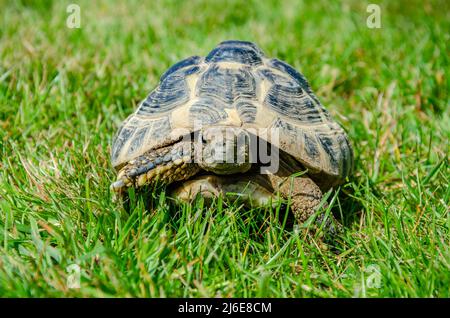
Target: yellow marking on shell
[(263, 88), (191, 82), (180, 115), (264, 115), (232, 119), (230, 65)]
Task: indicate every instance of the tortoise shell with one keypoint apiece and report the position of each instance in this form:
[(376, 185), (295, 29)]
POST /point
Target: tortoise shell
[(236, 85)]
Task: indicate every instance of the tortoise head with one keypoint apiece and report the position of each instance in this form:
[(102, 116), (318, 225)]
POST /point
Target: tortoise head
[(224, 150)]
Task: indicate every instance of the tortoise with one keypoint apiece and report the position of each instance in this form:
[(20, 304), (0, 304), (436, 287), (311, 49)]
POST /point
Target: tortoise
[(206, 108)]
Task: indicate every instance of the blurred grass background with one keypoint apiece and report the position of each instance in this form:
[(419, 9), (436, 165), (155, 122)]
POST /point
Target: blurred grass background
[(64, 92)]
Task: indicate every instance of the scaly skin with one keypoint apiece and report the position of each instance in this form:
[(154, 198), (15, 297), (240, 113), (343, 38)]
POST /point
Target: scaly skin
[(165, 165)]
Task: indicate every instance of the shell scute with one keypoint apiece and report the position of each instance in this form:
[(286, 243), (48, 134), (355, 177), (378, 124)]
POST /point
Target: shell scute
[(293, 103), (236, 51), (137, 140), (172, 92), (123, 136), (207, 110), (193, 60), (226, 84), (330, 149), (286, 68), (247, 111)]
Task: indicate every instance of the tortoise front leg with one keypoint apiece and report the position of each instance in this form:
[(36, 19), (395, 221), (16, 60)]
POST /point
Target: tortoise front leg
[(305, 197), (164, 165)]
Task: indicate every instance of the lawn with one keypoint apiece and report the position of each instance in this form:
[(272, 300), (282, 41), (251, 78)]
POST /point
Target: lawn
[(64, 92)]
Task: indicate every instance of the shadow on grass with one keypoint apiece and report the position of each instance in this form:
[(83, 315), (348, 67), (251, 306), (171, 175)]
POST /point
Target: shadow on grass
[(347, 210)]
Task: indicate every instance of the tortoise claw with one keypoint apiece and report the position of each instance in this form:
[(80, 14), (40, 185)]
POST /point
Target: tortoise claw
[(117, 186)]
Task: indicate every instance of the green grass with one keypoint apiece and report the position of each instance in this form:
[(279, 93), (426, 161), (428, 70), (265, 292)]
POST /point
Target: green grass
[(64, 93)]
